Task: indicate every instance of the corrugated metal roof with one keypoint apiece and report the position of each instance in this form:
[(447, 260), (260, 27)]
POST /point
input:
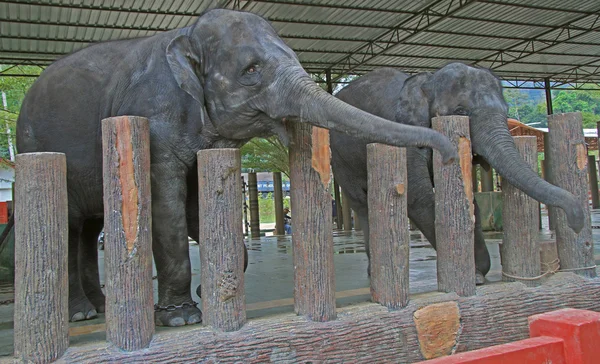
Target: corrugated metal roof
[(529, 39)]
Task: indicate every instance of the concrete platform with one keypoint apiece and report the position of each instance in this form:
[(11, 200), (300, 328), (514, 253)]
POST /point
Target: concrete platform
[(269, 278)]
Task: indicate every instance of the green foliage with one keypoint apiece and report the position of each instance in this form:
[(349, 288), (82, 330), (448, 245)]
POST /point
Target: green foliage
[(265, 155), (15, 89), (266, 208), (532, 110)]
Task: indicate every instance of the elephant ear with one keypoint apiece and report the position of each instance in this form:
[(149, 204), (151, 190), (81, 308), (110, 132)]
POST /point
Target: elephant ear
[(182, 61), (413, 106)]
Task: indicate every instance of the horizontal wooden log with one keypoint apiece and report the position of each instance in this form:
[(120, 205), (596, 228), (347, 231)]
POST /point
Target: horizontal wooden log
[(497, 314)]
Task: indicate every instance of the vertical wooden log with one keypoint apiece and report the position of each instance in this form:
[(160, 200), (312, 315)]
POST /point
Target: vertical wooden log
[(253, 197), (278, 201), (338, 206), (593, 175), (314, 284), (454, 210), (548, 256), (357, 226), (388, 225), (41, 325), (520, 250), (127, 232), (474, 179), (549, 177), (569, 162), (487, 180), (221, 239), (346, 212)]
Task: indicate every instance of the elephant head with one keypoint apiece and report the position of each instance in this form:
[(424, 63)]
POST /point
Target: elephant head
[(250, 83), (458, 89)]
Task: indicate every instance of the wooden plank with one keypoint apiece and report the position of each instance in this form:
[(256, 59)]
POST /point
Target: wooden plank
[(388, 225), (41, 311), (338, 206), (363, 333), (221, 238), (346, 212), (454, 210), (569, 167), (314, 281), (593, 177), (127, 231), (520, 249)]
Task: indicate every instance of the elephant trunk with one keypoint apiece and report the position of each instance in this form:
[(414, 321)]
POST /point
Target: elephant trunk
[(497, 146), (313, 105)]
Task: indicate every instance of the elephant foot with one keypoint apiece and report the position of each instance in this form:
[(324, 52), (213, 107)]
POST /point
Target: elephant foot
[(181, 315), (98, 300), (82, 310), (479, 277)]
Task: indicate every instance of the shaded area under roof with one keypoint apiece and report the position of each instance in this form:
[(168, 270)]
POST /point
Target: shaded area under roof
[(517, 39)]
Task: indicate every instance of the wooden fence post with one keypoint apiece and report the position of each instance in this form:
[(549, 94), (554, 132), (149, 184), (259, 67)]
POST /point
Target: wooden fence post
[(593, 181), (520, 251), (346, 212), (338, 206), (487, 180), (569, 168), (221, 239), (127, 232), (388, 225), (314, 281), (454, 210), (278, 200), (253, 197), (41, 325)]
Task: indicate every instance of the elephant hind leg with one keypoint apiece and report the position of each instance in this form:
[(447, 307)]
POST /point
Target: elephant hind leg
[(80, 307), (88, 263)]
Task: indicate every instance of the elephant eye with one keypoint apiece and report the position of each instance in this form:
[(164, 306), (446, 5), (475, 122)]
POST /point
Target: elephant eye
[(460, 111), (252, 69)]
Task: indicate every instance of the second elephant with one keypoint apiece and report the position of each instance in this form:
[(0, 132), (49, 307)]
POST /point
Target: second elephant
[(456, 89)]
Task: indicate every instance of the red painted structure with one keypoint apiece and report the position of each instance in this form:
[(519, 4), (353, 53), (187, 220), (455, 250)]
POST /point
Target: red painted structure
[(566, 336)]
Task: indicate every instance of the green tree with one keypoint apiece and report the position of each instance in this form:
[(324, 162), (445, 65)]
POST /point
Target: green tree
[(14, 88), (585, 101), (266, 155)]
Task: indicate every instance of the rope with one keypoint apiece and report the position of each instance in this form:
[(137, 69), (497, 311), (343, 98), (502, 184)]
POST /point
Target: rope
[(549, 268)]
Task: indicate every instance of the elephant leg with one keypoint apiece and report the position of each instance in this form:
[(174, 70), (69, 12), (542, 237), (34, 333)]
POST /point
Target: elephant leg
[(80, 307), (170, 245), (482, 255), (88, 262)]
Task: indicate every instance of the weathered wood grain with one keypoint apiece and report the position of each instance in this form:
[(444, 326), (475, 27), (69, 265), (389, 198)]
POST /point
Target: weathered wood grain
[(362, 333), (569, 168), (338, 206), (548, 177), (127, 231), (389, 238), (519, 252), (314, 281), (221, 238), (454, 210), (253, 198), (41, 312)]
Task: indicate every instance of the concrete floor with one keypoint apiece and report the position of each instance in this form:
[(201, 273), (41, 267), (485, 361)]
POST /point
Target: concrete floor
[(269, 278)]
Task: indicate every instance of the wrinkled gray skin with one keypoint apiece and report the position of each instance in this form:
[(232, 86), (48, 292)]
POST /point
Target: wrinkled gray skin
[(455, 89), (217, 83)]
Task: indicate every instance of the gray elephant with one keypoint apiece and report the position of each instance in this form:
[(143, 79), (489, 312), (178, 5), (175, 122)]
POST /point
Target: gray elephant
[(217, 83), (456, 89)]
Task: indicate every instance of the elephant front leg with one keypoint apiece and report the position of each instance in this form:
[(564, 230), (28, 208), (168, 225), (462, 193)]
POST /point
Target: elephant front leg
[(171, 248)]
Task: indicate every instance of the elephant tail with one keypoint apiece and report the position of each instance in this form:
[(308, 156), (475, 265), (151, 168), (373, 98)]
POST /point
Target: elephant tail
[(6, 232)]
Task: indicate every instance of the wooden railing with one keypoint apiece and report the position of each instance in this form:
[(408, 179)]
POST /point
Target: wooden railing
[(41, 330)]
